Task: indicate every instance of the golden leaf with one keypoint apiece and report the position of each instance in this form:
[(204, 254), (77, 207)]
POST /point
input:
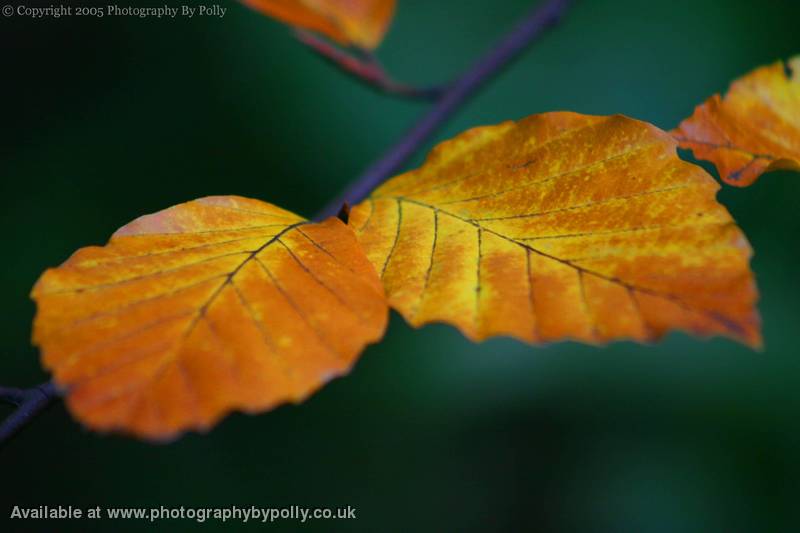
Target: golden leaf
[(217, 304), (561, 226), (361, 23), (755, 128)]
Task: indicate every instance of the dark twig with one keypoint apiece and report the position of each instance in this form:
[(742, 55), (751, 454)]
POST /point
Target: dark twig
[(488, 66), (11, 395), (29, 402), (364, 67)]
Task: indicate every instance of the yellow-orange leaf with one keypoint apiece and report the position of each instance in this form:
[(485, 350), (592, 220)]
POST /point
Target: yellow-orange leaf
[(753, 129), (561, 226), (361, 23), (217, 304)]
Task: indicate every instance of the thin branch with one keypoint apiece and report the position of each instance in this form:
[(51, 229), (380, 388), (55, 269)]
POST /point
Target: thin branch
[(29, 402), (484, 69), (11, 395), (365, 67)]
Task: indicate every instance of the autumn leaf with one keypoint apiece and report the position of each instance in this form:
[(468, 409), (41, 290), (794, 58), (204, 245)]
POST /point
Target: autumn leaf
[(561, 226), (217, 304), (360, 23), (755, 128)]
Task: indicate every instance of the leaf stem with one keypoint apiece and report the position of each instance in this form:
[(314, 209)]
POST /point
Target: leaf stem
[(30, 402), (365, 67), (485, 68)]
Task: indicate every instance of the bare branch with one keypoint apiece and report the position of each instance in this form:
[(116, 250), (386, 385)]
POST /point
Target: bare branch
[(11, 395), (364, 67), (483, 70), (29, 402)]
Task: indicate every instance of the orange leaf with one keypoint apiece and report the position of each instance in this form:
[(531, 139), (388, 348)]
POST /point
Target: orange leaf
[(217, 304), (753, 129), (561, 226), (361, 23)]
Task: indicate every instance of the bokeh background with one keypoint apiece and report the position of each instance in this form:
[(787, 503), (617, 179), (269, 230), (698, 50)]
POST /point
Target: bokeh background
[(107, 119)]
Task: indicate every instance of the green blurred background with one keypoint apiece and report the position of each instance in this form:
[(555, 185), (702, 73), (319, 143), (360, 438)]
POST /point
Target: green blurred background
[(104, 120)]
